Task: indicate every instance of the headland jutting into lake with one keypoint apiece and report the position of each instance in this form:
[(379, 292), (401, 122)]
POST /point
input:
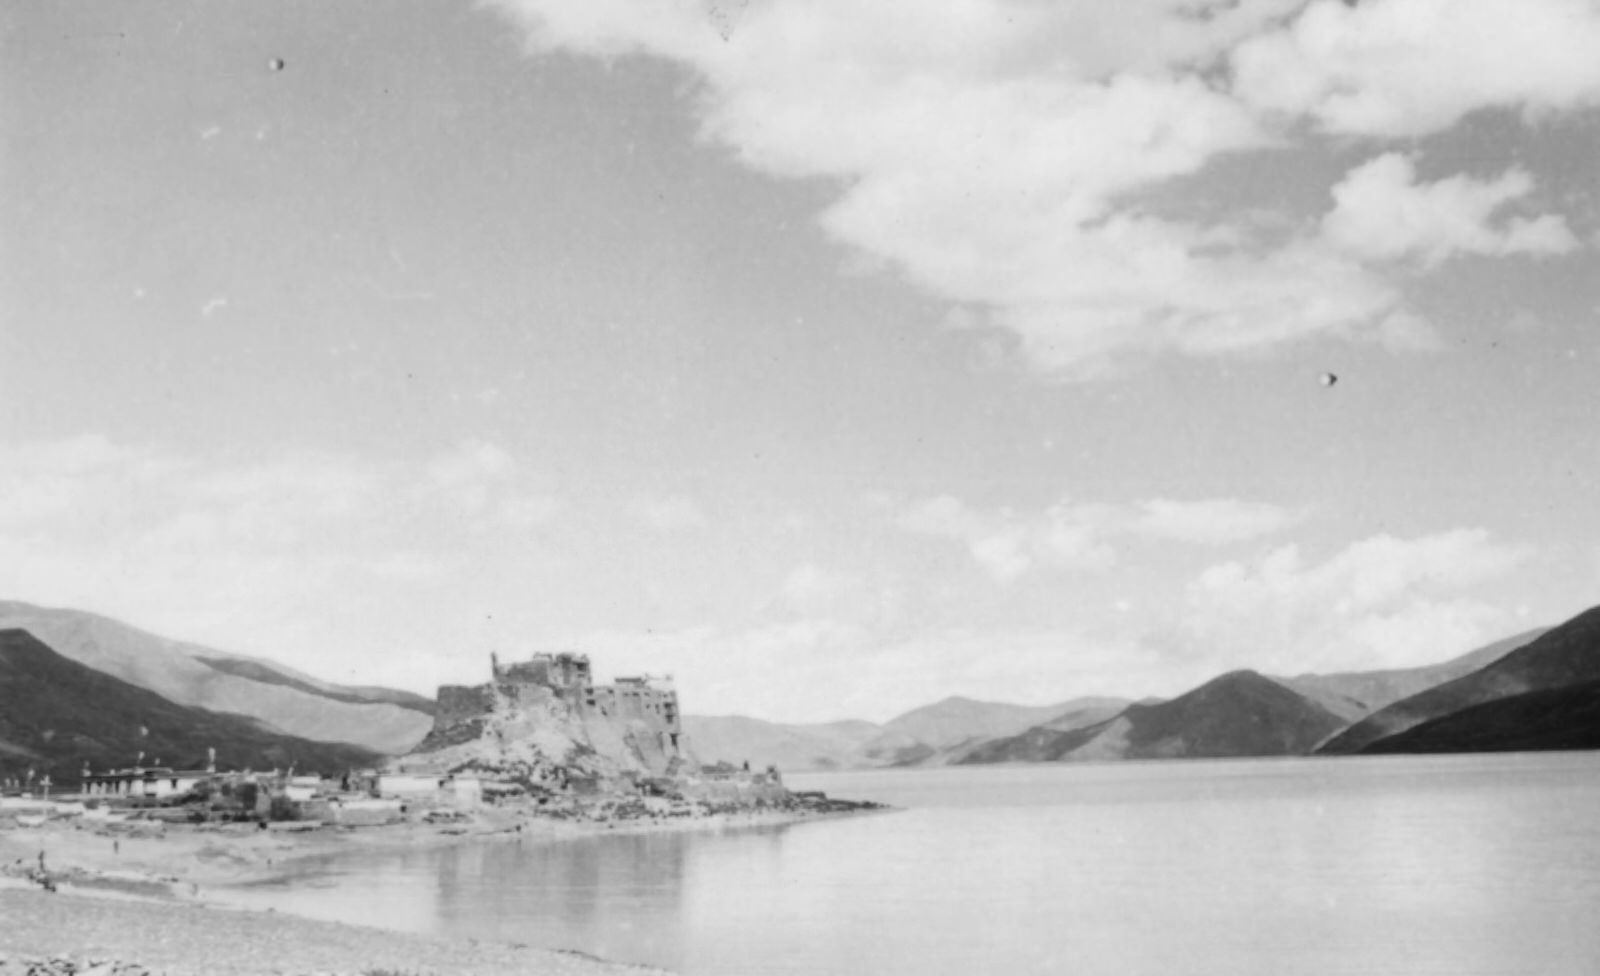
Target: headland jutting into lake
[(539, 753)]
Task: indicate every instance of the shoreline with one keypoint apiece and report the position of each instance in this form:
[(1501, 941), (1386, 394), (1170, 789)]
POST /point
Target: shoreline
[(139, 877)]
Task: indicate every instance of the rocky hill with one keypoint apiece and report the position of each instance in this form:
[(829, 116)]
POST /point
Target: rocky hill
[(56, 714), (1241, 713), (1563, 656), (189, 674), (545, 720)]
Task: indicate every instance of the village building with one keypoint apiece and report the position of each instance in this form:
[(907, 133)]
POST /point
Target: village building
[(414, 785), (143, 781)]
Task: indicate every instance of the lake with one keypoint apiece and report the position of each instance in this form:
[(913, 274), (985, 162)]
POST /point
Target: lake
[(1452, 865)]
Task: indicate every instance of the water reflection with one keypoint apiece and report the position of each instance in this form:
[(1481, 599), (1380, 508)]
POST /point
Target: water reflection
[(624, 897), (619, 897), (1420, 865)]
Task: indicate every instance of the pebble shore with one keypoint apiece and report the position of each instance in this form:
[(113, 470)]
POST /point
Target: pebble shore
[(64, 966), (63, 934)]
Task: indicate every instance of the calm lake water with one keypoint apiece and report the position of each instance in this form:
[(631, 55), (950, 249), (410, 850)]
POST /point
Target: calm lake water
[(1403, 865)]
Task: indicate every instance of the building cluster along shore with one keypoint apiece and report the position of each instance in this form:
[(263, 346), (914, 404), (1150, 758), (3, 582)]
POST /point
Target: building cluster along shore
[(538, 754)]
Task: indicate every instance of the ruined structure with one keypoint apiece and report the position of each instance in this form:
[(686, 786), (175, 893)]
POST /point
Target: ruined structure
[(547, 717)]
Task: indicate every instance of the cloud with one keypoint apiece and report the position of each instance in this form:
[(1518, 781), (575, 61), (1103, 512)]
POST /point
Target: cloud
[(864, 598), (1007, 545), (1383, 602), (1382, 213), (472, 462), (482, 488), (1004, 155), (1080, 536), (1398, 69), (235, 548), (666, 513), (809, 588), (1210, 522), (527, 511)]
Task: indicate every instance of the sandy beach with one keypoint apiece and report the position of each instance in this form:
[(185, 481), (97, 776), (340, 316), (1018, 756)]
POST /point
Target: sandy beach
[(138, 895)]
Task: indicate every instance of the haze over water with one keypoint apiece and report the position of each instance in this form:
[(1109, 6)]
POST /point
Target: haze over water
[(1458, 865)]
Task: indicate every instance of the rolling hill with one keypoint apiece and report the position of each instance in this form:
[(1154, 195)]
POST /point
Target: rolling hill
[(1241, 713), (201, 677), (57, 714), (934, 734), (736, 739), (1565, 655), (956, 720)]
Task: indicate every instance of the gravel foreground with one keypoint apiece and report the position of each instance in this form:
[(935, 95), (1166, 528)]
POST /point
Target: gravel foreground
[(62, 934), (132, 898)]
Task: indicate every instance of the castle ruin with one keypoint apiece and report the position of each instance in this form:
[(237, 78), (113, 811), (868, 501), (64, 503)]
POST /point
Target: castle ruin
[(551, 701)]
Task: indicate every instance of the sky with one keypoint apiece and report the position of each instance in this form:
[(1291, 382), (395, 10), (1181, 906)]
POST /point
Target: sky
[(834, 357)]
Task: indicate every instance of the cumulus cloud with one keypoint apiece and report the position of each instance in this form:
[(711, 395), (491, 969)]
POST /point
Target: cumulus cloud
[(1382, 602), (1080, 536), (1382, 213), (1001, 154), (1411, 68)]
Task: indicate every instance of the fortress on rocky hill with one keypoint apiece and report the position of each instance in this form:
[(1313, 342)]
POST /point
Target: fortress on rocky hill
[(546, 715)]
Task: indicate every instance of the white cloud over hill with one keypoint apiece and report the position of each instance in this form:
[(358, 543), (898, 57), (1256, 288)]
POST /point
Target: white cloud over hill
[(1382, 602)]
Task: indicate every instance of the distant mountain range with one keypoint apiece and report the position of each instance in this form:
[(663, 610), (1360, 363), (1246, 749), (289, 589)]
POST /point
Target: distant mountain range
[(936, 734), (1238, 714), (59, 714), (1536, 690)]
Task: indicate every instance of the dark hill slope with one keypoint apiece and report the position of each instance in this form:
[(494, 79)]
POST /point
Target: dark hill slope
[(1240, 713), (57, 714), (1565, 655), (1552, 718), (1038, 744), (1353, 695), (203, 677)]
